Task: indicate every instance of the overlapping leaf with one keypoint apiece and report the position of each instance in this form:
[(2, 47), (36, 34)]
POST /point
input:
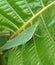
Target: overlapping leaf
[(22, 38)]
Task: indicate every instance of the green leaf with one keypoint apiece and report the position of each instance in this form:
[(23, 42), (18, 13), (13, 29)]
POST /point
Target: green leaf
[(21, 39), (40, 50)]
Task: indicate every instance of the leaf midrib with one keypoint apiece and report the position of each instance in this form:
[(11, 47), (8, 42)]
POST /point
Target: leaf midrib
[(32, 18)]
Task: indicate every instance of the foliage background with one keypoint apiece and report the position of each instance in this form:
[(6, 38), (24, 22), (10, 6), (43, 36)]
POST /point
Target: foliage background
[(40, 49)]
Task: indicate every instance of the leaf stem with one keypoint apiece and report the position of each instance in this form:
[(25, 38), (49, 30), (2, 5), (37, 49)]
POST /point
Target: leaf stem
[(31, 19)]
